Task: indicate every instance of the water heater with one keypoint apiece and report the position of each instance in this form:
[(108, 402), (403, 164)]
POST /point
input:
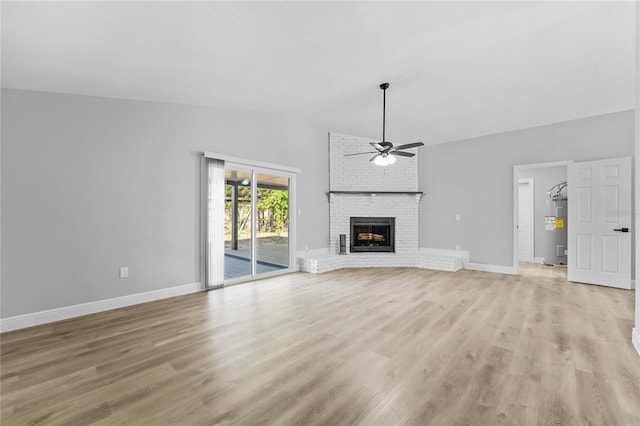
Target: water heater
[(555, 226)]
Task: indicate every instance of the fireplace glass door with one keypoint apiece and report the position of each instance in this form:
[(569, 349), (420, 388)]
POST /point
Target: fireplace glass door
[(372, 234)]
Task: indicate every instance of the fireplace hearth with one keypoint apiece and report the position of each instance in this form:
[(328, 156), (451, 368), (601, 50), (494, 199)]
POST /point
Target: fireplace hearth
[(372, 234)]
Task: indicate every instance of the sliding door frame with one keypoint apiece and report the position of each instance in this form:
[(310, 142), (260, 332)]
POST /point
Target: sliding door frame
[(256, 167)]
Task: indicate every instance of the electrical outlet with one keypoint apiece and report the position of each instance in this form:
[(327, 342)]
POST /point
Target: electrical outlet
[(124, 272), (458, 217), (457, 247)]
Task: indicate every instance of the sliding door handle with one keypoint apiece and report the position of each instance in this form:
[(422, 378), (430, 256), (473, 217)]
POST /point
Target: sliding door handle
[(622, 230)]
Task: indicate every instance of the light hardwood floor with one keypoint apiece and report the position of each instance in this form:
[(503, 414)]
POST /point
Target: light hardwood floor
[(389, 346)]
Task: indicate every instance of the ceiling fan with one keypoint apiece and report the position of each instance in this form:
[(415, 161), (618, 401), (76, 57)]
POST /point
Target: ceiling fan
[(385, 152)]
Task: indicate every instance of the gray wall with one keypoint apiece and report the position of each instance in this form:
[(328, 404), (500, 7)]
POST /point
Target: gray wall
[(90, 184), (543, 179), (474, 178)]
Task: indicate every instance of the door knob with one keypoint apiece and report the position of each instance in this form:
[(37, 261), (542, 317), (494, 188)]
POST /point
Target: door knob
[(622, 230)]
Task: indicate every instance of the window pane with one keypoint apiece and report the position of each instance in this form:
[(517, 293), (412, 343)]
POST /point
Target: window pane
[(272, 210)]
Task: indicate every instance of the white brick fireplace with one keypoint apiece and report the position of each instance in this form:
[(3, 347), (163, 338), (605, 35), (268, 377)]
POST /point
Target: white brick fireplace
[(360, 188), (402, 207)]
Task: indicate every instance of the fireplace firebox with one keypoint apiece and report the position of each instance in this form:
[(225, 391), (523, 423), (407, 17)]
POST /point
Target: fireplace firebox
[(372, 234)]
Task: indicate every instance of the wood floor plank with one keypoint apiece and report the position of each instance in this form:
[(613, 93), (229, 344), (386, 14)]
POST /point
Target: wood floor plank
[(377, 346)]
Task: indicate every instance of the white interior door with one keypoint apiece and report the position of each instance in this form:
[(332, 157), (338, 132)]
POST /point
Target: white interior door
[(599, 226), (525, 219)]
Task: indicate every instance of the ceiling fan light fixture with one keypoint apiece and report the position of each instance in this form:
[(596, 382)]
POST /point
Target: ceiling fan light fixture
[(384, 160)]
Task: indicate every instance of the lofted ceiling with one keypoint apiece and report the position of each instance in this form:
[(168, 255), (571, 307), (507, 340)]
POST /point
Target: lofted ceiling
[(457, 69)]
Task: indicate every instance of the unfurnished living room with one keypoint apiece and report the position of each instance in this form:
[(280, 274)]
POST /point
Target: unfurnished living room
[(311, 213)]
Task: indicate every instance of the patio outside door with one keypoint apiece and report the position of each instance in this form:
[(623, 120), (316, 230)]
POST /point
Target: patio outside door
[(254, 206)]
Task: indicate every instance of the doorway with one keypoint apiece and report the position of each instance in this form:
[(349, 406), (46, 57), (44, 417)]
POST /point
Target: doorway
[(531, 205), (594, 239), (260, 244), (250, 226)]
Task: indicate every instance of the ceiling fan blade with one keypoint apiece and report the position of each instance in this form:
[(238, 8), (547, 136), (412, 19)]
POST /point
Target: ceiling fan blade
[(403, 154), (361, 153), (409, 145), (374, 157), (377, 146)]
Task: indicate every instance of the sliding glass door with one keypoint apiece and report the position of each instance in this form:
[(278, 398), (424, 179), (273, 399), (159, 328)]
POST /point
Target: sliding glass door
[(251, 218), (238, 224), (272, 230)]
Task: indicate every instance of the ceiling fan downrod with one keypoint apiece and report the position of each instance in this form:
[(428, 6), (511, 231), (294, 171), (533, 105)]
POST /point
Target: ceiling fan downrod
[(384, 87)]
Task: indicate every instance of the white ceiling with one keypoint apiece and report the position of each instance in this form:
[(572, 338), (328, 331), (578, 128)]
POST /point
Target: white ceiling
[(457, 69)]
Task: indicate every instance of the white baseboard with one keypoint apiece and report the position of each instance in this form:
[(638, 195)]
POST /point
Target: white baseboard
[(59, 314), (538, 260), (635, 339), (498, 269)]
